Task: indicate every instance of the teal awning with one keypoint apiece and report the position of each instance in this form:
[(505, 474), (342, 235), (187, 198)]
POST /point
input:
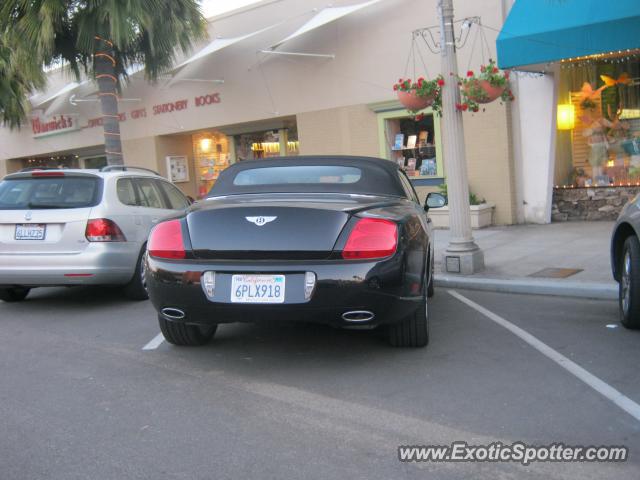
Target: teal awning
[(541, 31)]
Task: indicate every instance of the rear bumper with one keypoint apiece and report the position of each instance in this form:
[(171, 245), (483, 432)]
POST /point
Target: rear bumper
[(99, 264), (378, 287)]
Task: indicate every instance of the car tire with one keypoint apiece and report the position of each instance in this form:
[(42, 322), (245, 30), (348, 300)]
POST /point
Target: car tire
[(430, 288), (15, 294), (629, 285), (136, 289), (413, 331), (184, 334)]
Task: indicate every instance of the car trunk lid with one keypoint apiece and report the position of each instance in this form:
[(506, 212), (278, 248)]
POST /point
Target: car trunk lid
[(46, 215), (282, 227)]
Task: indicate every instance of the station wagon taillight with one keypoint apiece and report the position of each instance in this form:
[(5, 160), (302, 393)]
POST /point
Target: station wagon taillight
[(165, 240), (103, 230), (371, 238)]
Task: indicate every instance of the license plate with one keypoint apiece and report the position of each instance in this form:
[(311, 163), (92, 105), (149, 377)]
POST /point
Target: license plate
[(257, 288), (30, 231)]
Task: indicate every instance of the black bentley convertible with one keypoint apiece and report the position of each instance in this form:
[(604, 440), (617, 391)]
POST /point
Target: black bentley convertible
[(337, 240)]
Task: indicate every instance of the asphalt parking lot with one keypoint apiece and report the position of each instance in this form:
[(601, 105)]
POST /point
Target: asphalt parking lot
[(80, 398)]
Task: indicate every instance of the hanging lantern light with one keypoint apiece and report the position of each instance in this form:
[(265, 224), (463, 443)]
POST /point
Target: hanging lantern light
[(566, 117)]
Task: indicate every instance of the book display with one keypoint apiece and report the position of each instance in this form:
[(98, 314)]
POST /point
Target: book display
[(211, 153), (413, 148)]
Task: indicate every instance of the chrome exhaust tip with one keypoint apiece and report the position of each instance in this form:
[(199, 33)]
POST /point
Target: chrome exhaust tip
[(358, 316), (173, 313)]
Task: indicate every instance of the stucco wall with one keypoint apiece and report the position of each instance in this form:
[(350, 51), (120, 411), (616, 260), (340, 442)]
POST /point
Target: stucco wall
[(349, 130), (140, 152), (489, 159)]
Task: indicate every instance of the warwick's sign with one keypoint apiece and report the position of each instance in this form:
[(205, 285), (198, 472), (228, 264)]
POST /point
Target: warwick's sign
[(42, 127)]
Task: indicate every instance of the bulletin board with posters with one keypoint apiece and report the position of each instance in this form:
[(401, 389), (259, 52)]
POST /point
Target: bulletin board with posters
[(177, 169)]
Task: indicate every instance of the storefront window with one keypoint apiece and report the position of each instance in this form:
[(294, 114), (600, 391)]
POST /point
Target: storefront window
[(211, 153), (271, 143), (56, 161), (599, 108), (95, 162), (412, 142)]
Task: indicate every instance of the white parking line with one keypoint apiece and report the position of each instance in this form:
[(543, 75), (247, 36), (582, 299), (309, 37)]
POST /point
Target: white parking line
[(624, 402), (154, 343)]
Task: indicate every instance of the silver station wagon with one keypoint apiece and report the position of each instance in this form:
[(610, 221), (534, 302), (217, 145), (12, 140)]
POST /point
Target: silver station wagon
[(80, 227)]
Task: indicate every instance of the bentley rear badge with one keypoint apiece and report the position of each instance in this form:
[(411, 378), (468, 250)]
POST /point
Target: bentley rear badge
[(259, 221)]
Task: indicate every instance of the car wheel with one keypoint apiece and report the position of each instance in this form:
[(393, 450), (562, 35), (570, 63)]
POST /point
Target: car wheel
[(136, 289), (184, 334), (430, 288), (629, 286), (413, 331), (16, 294)]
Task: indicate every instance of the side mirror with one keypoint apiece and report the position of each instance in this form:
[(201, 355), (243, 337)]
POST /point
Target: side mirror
[(434, 200)]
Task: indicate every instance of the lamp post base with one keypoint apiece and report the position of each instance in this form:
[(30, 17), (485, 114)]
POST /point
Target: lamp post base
[(463, 261)]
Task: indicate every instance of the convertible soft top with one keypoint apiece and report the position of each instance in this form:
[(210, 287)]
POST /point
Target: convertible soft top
[(359, 175)]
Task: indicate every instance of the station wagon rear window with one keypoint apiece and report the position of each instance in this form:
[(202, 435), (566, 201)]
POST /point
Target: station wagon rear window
[(28, 193), (298, 174)]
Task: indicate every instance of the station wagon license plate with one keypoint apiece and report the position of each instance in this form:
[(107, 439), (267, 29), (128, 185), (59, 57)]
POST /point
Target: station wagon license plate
[(30, 231), (257, 288)]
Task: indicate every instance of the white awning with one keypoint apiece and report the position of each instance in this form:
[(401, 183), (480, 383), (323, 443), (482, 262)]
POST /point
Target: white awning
[(326, 15), (44, 101), (215, 46)]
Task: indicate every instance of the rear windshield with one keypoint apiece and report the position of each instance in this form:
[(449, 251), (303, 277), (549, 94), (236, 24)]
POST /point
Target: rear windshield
[(49, 192), (298, 174)]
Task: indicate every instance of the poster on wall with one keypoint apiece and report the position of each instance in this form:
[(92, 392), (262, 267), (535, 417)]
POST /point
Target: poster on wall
[(178, 169)]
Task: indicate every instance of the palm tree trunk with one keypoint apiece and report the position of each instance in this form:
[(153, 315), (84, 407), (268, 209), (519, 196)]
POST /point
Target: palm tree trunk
[(107, 82)]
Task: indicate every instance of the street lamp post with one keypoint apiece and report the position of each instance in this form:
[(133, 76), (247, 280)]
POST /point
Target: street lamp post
[(462, 255)]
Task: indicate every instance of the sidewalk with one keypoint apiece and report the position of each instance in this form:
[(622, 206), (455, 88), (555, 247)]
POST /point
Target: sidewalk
[(513, 253)]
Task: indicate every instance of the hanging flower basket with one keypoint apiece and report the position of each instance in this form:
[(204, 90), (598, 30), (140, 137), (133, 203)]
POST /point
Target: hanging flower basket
[(418, 95), (491, 84), (411, 101), (481, 91)]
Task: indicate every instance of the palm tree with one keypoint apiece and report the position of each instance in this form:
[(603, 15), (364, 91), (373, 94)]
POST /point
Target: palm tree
[(19, 75), (102, 39)]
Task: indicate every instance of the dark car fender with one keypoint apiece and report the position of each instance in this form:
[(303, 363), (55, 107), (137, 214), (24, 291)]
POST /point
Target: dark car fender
[(413, 244)]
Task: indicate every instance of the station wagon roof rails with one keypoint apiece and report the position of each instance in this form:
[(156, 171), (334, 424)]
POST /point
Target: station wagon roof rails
[(126, 168)]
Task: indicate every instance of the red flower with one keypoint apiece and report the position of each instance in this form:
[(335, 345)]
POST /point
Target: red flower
[(421, 79), (495, 70), (482, 68), (440, 82), (475, 109), (470, 73), (507, 74), (458, 106), (400, 80), (419, 117), (395, 87), (465, 107)]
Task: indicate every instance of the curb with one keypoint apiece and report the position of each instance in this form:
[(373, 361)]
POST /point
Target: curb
[(594, 290)]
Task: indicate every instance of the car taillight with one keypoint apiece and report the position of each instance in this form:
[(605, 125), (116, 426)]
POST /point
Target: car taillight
[(165, 240), (371, 238), (103, 230)]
